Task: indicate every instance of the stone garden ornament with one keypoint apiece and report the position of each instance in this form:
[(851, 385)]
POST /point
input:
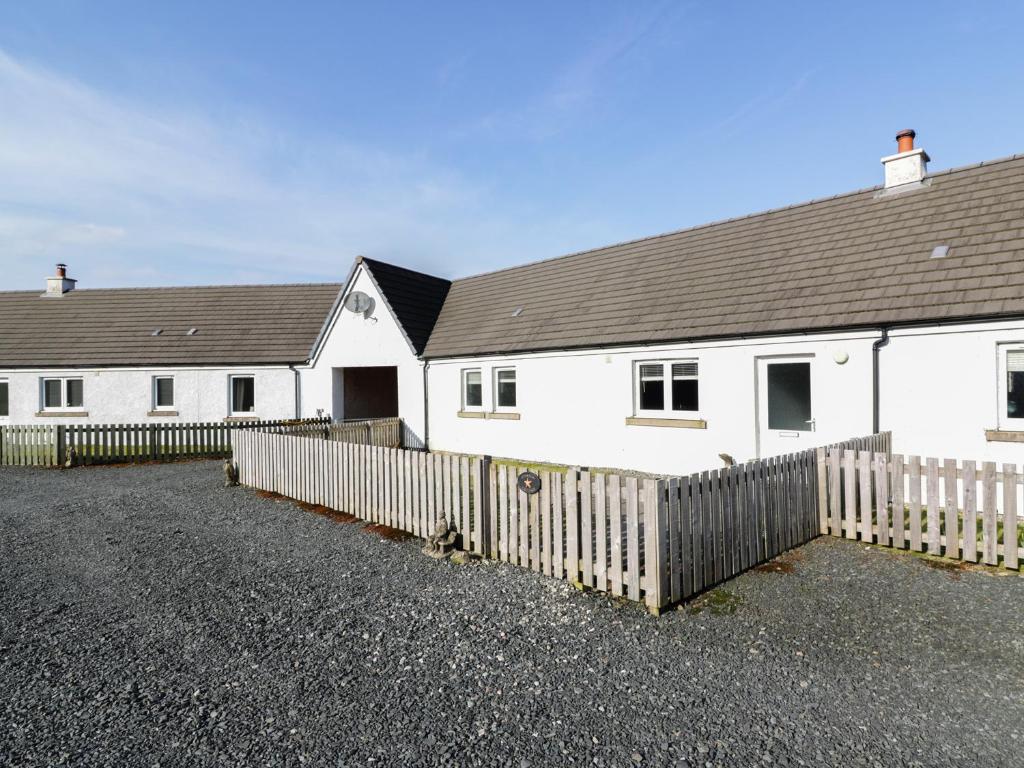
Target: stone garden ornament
[(441, 542), (230, 473)]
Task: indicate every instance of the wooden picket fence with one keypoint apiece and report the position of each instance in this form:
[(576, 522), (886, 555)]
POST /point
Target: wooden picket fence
[(405, 489), (651, 540), (384, 433), (50, 445), (926, 505)]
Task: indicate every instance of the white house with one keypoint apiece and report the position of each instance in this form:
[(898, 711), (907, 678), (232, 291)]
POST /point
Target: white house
[(156, 355), (899, 307)]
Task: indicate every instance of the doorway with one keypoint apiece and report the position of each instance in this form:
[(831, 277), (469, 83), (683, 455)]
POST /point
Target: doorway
[(369, 392), (785, 404)]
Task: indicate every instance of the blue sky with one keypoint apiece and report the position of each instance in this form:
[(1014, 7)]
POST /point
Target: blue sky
[(202, 142)]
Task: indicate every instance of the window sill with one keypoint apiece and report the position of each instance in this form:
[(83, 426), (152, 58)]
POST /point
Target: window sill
[(638, 421), (1004, 436), (500, 415), (61, 414), (162, 413), (229, 419), (509, 415)]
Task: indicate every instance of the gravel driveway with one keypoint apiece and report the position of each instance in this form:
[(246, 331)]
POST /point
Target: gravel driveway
[(152, 617)]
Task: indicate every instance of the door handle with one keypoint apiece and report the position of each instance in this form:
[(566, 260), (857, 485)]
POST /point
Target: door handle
[(813, 423)]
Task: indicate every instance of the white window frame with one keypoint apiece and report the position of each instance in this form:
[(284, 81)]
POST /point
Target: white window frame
[(494, 389), (667, 378), (1004, 421), (5, 416), (464, 386), (231, 395), (63, 407), (174, 394)]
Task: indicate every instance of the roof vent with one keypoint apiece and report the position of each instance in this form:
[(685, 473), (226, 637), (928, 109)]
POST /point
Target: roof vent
[(157, 332), (940, 252), (517, 312), (60, 283), (191, 331), (907, 168)]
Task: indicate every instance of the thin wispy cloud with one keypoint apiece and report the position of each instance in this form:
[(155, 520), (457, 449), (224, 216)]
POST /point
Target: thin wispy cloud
[(760, 106), (575, 87), (135, 193)]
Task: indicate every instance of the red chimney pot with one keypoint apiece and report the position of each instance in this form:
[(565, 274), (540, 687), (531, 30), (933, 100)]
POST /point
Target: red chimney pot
[(62, 270), (905, 140)]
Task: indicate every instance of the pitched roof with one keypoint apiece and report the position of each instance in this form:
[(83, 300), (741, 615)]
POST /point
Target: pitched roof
[(414, 297), (243, 324), (857, 259)]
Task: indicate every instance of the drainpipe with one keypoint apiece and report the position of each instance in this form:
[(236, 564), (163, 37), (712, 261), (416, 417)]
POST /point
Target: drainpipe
[(298, 392), (426, 407), (880, 342)]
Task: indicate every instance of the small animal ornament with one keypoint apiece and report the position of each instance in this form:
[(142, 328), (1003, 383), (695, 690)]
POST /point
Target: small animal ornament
[(230, 473), (441, 542), (728, 460)]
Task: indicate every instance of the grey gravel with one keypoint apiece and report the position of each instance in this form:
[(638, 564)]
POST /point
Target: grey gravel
[(152, 617)]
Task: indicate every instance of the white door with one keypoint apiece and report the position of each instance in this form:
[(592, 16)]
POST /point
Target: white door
[(785, 404)]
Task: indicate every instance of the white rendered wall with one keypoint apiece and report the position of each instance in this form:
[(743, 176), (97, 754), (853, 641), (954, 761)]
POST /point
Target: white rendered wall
[(573, 405), (940, 391), (125, 395), (356, 341)]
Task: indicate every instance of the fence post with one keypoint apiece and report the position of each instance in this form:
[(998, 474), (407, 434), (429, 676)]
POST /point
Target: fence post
[(62, 444), (483, 500), (655, 540), (151, 436), (822, 467)]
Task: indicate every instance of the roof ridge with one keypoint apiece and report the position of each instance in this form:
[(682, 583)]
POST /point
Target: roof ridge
[(731, 219), (39, 292)]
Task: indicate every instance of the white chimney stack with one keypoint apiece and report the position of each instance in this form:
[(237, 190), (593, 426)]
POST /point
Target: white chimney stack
[(60, 283), (908, 166)]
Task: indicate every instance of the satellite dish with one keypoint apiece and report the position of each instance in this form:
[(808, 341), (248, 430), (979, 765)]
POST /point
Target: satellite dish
[(358, 302)]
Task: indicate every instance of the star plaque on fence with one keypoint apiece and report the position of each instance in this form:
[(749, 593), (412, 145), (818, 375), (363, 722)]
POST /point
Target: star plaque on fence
[(528, 482)]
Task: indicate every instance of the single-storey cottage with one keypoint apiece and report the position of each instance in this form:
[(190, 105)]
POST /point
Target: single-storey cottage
[(156, 355), (898, 307)]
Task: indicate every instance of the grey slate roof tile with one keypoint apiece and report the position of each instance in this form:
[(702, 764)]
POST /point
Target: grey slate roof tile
[(237, 325), (851, 260), (415, 298)]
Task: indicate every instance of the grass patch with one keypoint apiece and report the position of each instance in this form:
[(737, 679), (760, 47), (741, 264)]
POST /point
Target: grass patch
[(953, 567), (719, 602)]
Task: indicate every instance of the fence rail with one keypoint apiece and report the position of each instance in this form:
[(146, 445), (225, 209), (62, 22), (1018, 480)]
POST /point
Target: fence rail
[(54, 445), (656, 541), (384, 433), (925, 505)]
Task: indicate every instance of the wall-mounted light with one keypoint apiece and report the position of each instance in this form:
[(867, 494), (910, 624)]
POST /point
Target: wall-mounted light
[(840, 357)]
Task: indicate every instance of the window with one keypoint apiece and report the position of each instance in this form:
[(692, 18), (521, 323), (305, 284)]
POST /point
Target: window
[(667, 389), (1015, 384), (243, 395), (1011, 387), (4, 403), (789, 396), (472, 389), (504, 388), (163, 393), (62, 394)]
